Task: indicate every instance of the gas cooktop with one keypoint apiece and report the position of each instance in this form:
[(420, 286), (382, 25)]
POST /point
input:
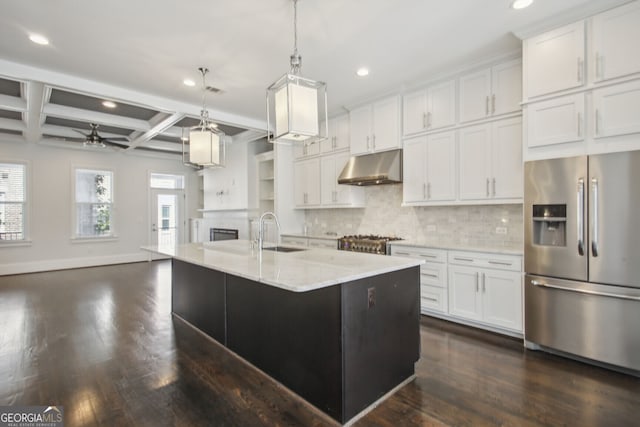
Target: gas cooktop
[(369, 243)]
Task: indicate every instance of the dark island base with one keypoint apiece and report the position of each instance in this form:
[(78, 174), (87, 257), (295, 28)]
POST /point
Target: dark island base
[(341, 347)]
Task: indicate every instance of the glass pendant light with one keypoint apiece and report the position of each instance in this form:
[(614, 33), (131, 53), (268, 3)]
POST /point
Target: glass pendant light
[(206, 141), (296, 106)]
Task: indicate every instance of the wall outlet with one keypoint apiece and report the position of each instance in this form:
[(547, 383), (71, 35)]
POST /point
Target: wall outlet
[(431, 228), (501, 230)]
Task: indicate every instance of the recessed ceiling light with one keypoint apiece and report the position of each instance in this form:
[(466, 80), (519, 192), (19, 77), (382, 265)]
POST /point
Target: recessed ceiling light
[(521, 4), (362, 72), (109, 104), (189, 82), (39, 39)]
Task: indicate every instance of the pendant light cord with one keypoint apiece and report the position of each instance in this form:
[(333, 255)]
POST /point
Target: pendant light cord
[(204, 113), (296, 59)]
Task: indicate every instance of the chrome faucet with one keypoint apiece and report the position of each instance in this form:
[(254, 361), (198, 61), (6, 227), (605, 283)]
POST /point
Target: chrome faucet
[(261, 228)]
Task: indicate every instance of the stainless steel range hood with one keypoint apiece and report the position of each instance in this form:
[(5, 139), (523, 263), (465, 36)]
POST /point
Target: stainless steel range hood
[(373, 169)]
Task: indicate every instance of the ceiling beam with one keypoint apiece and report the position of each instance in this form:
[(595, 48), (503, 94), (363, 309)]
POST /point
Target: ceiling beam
[(10, 124), (105, 119), (12, 103), (163, 145), (162, 123), (34, 118), (65, 132), (23, 72), (249, 135)]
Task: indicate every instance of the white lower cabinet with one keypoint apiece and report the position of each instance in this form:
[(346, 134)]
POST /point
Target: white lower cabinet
[(492, 295), (433, 276), (482, 289)]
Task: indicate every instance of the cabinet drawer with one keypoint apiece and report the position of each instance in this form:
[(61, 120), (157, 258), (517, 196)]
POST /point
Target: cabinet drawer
[(323, 243), (434, 274), (433, 298), (294, 241), (485, 260), (427, 254)]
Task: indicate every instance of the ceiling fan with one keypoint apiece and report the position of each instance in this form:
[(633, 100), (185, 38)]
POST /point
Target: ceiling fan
[(93, 139)]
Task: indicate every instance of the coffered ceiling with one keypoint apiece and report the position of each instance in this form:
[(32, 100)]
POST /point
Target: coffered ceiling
[(138, 53)]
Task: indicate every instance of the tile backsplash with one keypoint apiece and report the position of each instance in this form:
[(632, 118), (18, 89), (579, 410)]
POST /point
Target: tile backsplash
[(492, 226)]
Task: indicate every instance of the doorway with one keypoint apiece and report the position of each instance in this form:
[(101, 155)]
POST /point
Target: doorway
[(167, 217)]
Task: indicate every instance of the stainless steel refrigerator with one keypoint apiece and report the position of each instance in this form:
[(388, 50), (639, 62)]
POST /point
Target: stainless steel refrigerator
[(582, 257)]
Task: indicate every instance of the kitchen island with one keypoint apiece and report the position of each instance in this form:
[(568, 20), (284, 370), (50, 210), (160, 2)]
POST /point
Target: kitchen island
[(340, 329)]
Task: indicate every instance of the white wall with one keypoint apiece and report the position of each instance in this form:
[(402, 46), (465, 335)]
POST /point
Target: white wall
[(50, 205)]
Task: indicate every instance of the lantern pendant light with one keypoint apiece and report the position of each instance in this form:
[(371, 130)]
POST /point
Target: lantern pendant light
[(296, 106), (206, 141)]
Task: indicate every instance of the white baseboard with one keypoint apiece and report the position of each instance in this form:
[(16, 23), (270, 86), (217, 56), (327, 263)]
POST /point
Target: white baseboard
[(67, 263)]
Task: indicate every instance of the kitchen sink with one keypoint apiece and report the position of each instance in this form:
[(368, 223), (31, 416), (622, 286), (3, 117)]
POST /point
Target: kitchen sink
[(283, 249)]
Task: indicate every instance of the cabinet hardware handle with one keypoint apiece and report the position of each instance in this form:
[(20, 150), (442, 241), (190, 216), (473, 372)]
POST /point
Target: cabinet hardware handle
[(500, 263), (374, 141), (579, 70), (486, 106), (402, 253), (487, 187), (367, 142), (463, 259), (429, 275), (594, 217), (429, 119), (428, 256), (580, 216), (477, 281), (429, 190), (493, 103), (424, 120), (430, 299), (584, 291), (493, 182), (484, 283)]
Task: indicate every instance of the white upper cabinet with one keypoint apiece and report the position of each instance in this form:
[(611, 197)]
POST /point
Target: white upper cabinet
[(506, 87), (338, 135), (306, 149), (429, 109), (332, 193), (616, 37), (617, 110), (306, 184), (375, 127), (491, 92), (490, 157), (554, 61), (429, 169)]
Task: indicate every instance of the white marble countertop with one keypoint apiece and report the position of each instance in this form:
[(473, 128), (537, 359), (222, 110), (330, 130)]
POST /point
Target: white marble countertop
[(301, 271), (459, 247)]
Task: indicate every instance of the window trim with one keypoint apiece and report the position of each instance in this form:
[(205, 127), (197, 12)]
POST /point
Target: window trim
[(26, 212), (112, 236)]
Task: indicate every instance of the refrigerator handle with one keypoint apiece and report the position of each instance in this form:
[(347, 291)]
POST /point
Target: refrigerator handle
[(580, 216), (594, 217)]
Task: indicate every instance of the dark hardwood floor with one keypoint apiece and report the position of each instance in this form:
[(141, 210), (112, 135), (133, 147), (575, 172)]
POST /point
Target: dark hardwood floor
[(101, 343)]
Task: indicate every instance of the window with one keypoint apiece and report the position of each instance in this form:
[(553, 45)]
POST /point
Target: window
[(12, 201), (94, 203), (166, 181), (166, 216)]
